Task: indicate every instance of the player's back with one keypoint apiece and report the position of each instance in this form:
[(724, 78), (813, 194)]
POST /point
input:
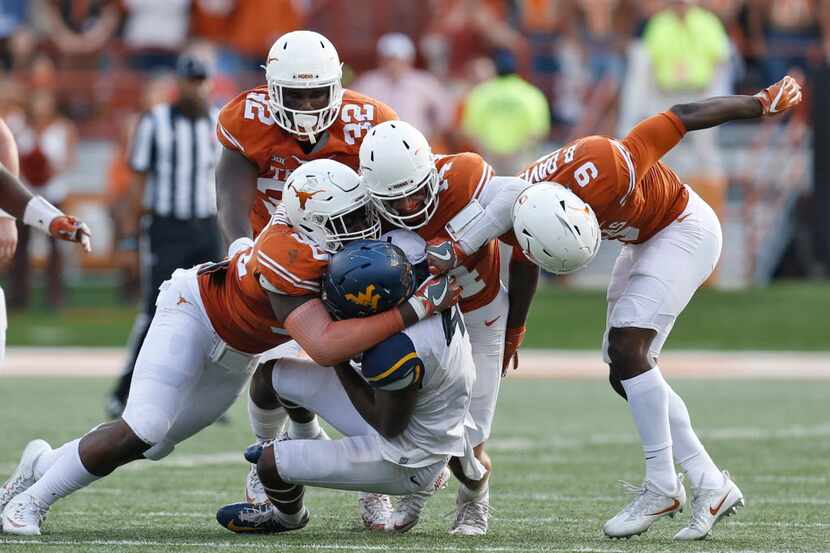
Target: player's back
[(247, 127), (633, 194)]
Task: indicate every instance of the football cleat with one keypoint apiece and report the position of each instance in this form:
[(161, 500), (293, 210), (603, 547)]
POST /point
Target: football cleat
[(709, 506), (24, 515), (375, 510), (473, 516), (254, 490), (649, 505), (406, 513), (255, 518), (24, 475)]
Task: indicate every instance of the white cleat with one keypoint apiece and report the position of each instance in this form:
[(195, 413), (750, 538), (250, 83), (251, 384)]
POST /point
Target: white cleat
[(649, 506), (473, 516), (407, 512), (375, 511), (709, 506), (24, 516), (254, 490), (24, 475)]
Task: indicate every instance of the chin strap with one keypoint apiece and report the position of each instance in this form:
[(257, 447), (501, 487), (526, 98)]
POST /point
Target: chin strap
[(307, 123)]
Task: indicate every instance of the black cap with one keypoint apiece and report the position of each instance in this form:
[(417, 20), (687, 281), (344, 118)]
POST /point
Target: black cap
[(189, 66)]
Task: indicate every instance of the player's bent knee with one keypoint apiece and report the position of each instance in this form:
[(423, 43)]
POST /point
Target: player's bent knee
[(147, 422), (160, 450), (262, 390), (628, 351)]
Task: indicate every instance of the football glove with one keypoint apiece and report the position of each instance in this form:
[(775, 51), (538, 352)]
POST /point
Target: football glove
[(435, 294), (783, 95), (67, 227), (512, 340), (443, 256)]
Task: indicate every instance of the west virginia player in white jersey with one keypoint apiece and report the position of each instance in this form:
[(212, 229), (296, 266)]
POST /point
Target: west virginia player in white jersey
[(402, 419)]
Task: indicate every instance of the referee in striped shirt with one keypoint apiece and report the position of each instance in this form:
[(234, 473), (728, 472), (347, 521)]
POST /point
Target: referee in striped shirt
[(173, 154)]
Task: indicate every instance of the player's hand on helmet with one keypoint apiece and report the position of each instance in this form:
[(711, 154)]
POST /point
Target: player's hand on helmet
[(435, 294), (512, 340), (443, 256), (67, 227), (783, 95)]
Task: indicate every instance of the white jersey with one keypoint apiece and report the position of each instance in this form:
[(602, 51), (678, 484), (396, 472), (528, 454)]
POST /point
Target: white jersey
[(437, 426)]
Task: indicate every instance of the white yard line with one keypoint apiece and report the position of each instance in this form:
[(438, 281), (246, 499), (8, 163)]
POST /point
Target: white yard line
[(535, 363)]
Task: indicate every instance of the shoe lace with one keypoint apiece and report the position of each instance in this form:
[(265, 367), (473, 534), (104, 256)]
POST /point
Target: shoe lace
[(253, 480), (257, 513), (375, 504), (473, 513), (10, 490), (32, 507)]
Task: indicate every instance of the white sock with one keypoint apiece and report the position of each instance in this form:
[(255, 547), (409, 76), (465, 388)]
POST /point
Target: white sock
[(303, 430), (466, 494), (65, 476), (688, 451), (48, 458), (291, 520), (648, 399), (266, 423)]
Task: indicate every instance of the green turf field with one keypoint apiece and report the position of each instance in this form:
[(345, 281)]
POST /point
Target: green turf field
[(559, 448), (788, 316)]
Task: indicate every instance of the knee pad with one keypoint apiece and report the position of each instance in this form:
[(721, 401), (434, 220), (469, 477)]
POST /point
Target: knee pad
[(160, 450), (147, 422)]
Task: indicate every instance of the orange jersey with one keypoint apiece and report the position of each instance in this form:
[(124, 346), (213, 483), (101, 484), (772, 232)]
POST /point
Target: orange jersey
[(633, 194), (234, 291), (246, 126), (462, 177)]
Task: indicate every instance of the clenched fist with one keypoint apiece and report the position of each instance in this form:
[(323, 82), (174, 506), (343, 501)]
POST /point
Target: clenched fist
[(783, 95), (443, 256), (435, 294), (67, 227)]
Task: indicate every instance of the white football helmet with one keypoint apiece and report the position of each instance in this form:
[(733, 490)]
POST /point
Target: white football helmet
[(396, 162), (555, 228), (303, 59), (326, 202)]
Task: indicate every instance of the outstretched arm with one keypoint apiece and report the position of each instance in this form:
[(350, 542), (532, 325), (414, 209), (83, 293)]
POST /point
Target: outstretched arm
[(712, 112)]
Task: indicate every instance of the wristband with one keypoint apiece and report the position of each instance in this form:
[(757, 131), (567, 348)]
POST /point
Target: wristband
[(418, 307), (39, 213), (239, 244)]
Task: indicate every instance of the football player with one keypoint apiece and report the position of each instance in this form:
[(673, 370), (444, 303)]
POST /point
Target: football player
[(672, 242), (435, 196), (402, 415), (300, 114), (212, 323), (17, 202)]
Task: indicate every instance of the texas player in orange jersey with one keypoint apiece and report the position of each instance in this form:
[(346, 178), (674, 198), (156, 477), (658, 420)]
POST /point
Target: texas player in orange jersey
[(672, 242), (435, 196), (18, 202), (211, 324), (300, 114)]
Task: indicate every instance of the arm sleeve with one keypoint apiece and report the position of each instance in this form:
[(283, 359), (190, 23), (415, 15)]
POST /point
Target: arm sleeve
[(330, 342), (651, 139), (141, 152), (495, 219), (392, 364)]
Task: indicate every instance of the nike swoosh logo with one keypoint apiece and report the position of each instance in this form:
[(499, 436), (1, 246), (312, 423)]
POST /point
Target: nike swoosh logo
[(234, 528), (714, 511), (674, 506), (681, 219), (490, 322), (446, 257), (13, 523), (412, 479)]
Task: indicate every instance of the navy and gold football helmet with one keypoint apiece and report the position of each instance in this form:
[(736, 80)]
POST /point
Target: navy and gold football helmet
[(367, 277)]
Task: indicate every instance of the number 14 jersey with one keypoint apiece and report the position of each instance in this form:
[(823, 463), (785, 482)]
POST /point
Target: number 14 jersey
[(633, 194)]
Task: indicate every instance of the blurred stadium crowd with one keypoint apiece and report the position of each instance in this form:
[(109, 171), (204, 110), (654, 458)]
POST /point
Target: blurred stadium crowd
[(506, 78)]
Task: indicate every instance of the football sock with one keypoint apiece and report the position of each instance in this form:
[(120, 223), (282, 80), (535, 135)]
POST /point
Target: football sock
[(688, 451), (65, 476), (303, 430), (466, 494), (48, 458), (266, 423), (293, 519), (648, 400)]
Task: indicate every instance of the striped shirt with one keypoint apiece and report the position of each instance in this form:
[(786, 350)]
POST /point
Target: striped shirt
[(178, 154)]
